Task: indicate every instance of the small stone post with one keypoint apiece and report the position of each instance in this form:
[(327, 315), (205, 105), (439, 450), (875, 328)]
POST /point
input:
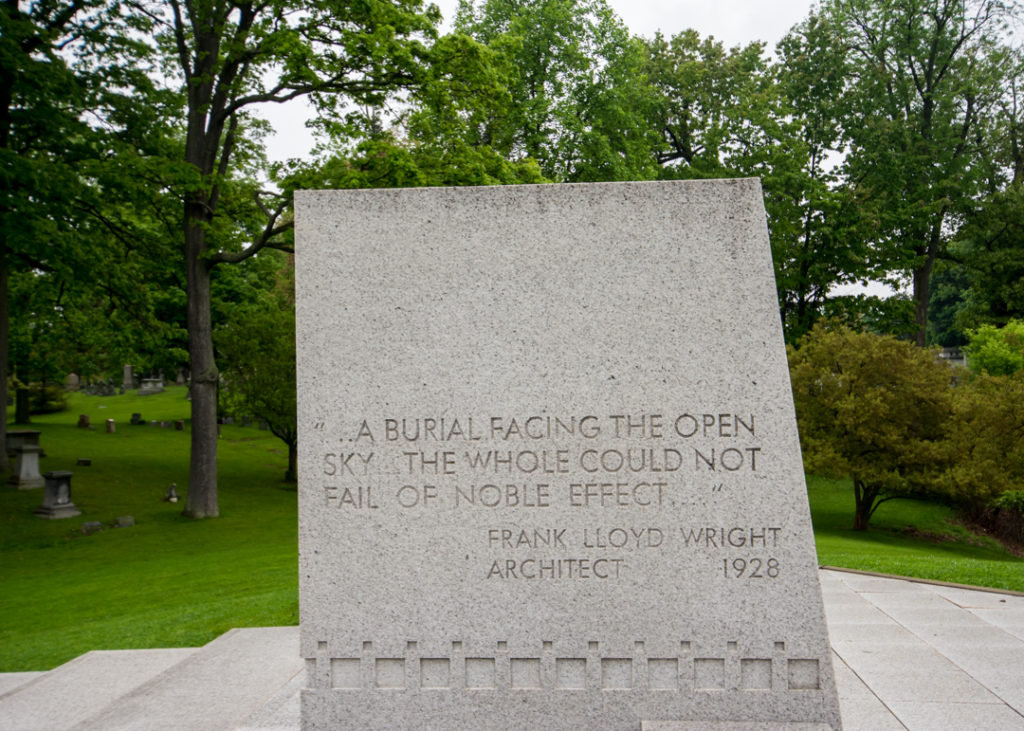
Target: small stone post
[(57, 497), (26, 467)]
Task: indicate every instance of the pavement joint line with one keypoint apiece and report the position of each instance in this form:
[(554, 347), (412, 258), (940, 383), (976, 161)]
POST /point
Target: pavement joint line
[(916, 580), (871, 690)]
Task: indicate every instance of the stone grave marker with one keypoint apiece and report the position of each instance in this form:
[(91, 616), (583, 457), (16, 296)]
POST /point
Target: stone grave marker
[(83, 422), (150, 386), (26, 467), (549, 467), (19, 437), (57, 496)]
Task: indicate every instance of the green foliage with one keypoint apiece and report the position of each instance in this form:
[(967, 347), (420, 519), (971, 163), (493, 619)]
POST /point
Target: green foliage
[(986, 439), (257, 349), (873, 409), (922, 77), (996, 350), (1011, 500), (573, 86)]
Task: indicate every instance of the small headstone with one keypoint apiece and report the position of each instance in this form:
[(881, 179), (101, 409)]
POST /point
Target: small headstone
[(229, 421), (111, 426), (83, 421), (26, 467), (83, 462), (166, 425), (179, 425), (550, 475), (57, 497), (172, 494), (91, 526), (180, 380), (72, 382), (120, 390), (137, 420), (154, 423), (150, 386), (128, 377), (125, 521)]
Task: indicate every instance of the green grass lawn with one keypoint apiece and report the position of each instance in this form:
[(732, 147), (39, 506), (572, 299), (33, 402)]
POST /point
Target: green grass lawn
[(169, 581), (907, 538), (165, 582)]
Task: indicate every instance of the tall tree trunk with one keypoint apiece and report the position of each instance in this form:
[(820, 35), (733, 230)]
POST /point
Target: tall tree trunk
[(202, 476), (923, 284), (5, 330), (292, 474)]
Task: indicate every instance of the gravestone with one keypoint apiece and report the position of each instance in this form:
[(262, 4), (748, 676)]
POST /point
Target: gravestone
[(111, 426), (57, 497), (26, 467), (19, 437), (128, 378), (549, 467), (72, 382), (137, 419), (83, 422), (150, 386)]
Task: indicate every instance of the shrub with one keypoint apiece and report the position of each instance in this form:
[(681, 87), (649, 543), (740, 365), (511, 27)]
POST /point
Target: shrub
[(986, 439), (874, 409), (998, 351)]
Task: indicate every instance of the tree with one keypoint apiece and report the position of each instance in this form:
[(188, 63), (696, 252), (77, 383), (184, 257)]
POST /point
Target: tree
[(711, 104), (40, 103), (575, 90), (874, 409), (998, 351), (818, 235), (230, 57), (923, 74), (257, 346)]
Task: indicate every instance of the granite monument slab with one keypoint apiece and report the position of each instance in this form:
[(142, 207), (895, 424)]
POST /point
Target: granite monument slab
[(549, 467)]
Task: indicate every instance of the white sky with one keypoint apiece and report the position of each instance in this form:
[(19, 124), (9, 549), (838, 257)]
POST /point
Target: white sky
[(734, 22)]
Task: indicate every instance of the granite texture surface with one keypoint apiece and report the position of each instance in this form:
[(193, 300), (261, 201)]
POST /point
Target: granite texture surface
[(549, 467)]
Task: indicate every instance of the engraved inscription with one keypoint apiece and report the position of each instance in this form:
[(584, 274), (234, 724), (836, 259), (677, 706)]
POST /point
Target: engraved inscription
[(511, 467)]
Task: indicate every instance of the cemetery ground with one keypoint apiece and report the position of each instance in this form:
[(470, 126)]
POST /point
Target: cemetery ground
[(168, 581)]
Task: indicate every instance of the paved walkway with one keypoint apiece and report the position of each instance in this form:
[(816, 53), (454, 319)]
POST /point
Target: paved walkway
[(920, 656), (907, 656)]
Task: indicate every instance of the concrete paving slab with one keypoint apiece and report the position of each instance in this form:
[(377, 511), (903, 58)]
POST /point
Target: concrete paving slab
[(957, 716), (77, 689), (9, 682), (910, 672), (859, 706), (1010, 623), (972, 598), (280, 713), (219, 687)]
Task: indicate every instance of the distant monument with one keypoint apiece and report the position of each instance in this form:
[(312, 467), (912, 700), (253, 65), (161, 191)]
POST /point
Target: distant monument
[(549, 467)]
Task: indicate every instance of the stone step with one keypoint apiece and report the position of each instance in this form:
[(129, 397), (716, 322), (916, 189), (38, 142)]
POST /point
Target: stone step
[(219, 687), (67, 695)]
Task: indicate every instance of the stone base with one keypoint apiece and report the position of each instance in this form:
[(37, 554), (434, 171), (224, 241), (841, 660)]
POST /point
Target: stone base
[(68, 510), (26, 483)]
